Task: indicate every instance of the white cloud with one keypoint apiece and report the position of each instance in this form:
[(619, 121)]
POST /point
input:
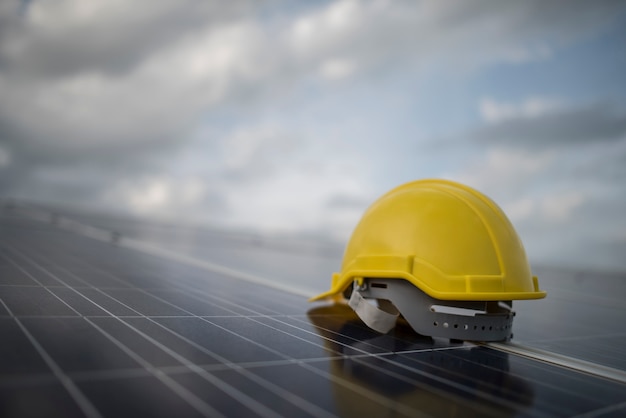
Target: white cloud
[(559, 207), (150, 198), (337, 68), (319, 28), (504, 168), (161, 197), (493, 111), (296, 201), (156, 100), (520, 209), (551, 207)]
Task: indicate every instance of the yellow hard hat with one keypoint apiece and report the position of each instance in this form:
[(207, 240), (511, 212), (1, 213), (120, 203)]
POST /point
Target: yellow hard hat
[(445, 239)]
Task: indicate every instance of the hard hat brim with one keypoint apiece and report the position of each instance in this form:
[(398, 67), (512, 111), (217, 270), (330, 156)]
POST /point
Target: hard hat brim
[(340, 283)]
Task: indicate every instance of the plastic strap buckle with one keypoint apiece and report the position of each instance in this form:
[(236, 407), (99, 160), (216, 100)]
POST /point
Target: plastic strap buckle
[(374, 317)]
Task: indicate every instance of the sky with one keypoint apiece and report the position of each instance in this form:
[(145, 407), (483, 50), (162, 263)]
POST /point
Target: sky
[(292, 117)]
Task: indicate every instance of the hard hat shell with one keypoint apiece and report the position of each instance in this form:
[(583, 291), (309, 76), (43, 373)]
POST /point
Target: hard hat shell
[(449, 240)]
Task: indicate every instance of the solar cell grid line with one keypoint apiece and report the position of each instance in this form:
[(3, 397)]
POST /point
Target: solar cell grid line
[(157, 297), (196, 403), (6, 308), (90, 264), (582, 366), (608, 356), (618, 410), (432, 346), (581, 384), (151, 293), (230, 270), (531, 364), (581, 328), (171, 370), (463, 377), (306, 406), (272, 301), (306, 322), (261, 316), (608, 347), (573, 376), (460, 387), (356, 388), (243, 398), (138, 286), (2, 254), (299, 402), (76, 394), (404, 366), (557, 370), (385, 370), (256, 378), (190, 314), (329, 331), (250, 302), (256, 314)]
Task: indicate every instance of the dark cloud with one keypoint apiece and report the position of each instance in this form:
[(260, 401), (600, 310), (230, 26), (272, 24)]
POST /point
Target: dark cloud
[(597, 122), (111, 38), (451, 36)]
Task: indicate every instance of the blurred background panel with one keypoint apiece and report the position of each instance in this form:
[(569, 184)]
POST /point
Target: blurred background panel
[(289, 118)]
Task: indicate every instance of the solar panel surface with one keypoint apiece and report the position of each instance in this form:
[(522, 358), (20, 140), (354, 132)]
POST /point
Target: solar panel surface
[(94, 329)]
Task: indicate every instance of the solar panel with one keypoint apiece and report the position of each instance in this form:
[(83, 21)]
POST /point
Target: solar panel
[(94, 329)]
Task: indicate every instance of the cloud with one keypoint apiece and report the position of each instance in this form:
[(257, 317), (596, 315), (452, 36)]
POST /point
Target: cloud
[(5, 157), (493, 111), (559, 207), (154, 102), (252, 154), (540, 123), (337, 68), (69, 37), (549, 208), (281, 117), (520, 209), (107, 75), (441, 36), (504, 167), (163, 196)]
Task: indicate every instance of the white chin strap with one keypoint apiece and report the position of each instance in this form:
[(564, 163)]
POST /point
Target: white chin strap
[(374, 317)]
